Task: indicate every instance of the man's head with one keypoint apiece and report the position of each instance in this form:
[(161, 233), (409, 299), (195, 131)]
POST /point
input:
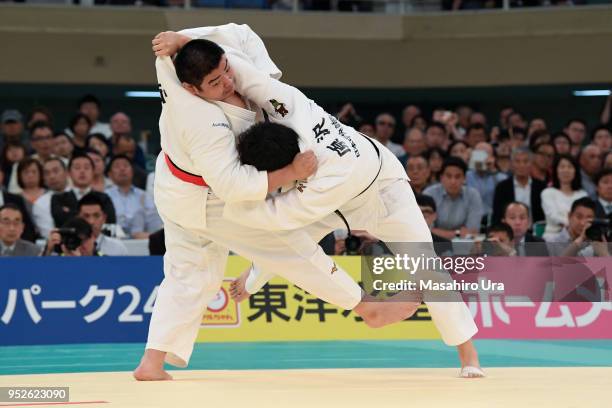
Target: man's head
[(12, 124), (478, 118), (385, 127), (85, 233), (55, 175), (418, 171), (428, 208), (125, 146), (452, 175), (536, 124), (500, 232), (89, 106), (475, 134), (436, 135), (120, 171), (544, 154), (80, 125), (120, 124), (604, 184), (414, 142), (204, 70), (81, 170), (42, 139), (582, 212), (521, 162), (40, 114), (62, 145), (602, 137), (576, 129), (590, 160), (91, 210), (515, 119), (268, 146), (518, 136), (464, 113), (516, 215), (11, 224)]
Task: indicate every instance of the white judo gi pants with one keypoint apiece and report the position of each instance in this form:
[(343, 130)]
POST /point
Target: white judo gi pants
[(400, 221), (194, 265)]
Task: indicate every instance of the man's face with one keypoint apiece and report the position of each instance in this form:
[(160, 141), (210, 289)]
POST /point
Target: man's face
[(604, 187), (42, 141), (418, 171), (429, 214), (15, 154), (452, 180), (435, 137), (517, 217), (576, 131), (590, 160), (81, 173), (521, 165), (516, 120), (216, 86), (579, 218), (62, 146), (121, 172), (409, 113), (94, 215), (126, 147), (120, 124), (12, 130), (415, 142), (11, 226), (536, 124), (544, 156), (603, 139), (90, 109), (385, 126), (476, 136), (55, 176), (478, 118)]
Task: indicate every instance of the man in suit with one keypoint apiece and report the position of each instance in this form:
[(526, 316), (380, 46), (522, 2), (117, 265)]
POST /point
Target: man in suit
[(11, 229), (603, 203), (29, 232), (64, 206), (516, 215), (520, 187)]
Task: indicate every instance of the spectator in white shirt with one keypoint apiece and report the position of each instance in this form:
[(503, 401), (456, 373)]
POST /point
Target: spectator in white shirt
[(385, 127), (557, 200)]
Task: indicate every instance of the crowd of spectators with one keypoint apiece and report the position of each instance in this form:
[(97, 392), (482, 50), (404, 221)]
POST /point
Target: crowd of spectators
[(510, 181), (60, 179)]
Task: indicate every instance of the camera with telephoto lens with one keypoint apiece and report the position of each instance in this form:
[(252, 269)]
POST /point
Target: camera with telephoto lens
[(70, 238), (598, 229)]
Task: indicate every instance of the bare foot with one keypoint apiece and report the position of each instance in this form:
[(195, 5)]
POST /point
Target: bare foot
[(470, 365), (151, 367), (238, 291), (378, 314)]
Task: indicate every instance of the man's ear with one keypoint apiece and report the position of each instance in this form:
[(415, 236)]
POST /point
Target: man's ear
[(190, 88)]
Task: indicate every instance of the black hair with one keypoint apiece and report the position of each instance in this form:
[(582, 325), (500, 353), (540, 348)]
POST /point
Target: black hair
[(90, 199), (429, 152), (439, 125), (40, 124), (597, 129), (501, 227), (453, 161), (585, 202), (475, 126), (268, 146), (576, 182), (80, 156), (55, 159), (76, 118), (44, 110), (89, 98), (12, 206), (197, 59), (114, 159), (101, 138), (424, 200), (581, 121), (605, 172)]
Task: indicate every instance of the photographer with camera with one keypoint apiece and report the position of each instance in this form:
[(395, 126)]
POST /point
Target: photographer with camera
[(91, 209), (585, 235), (74, 238), (499, 241)]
